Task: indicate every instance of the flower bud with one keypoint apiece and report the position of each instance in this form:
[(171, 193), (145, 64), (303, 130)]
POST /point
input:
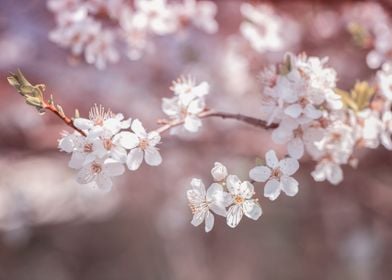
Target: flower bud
[(219, 171)]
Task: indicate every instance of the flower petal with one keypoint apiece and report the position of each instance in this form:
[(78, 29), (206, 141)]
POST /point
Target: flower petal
[(134, 158), (153, 138), (252, 209), (209, 222), (192, 123), (288, 166), (272, 189), (198, 186), (295, 148), (233, 184), (83, 124), (271, 159), (234, 215), (293, 110), (289, 185), (247, 190), (198, 217), (113, 168), (260, 173), (152, 156), (104, 183), (85, 175), (127, 139), (138, 128)]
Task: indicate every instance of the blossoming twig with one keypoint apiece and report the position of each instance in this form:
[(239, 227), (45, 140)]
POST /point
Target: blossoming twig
[(59, 112), (211, 113)]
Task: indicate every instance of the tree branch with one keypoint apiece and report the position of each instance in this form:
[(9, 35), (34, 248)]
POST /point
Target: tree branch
[(68, 121), (167, 125)]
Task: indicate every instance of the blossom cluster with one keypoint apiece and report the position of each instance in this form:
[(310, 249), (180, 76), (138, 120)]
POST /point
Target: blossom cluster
[(266, 30), (95, 28), (232, 198), (186, 104), (226, 191), (301, 98), (371, 28), (110, 143)]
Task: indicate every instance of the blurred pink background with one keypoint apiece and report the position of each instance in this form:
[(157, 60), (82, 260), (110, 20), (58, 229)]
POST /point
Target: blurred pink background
[(53, 228)]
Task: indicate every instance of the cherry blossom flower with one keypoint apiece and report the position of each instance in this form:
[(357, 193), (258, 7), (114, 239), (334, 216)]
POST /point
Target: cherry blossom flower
[(100, 172), (187, 102), (199, 13), (243, 203), (141, 145), (263, 28), (202, 202), (277, 174)]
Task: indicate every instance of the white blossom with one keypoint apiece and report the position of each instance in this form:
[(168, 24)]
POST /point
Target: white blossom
[(202, 202), (141, 145), (277, 175), (187, 103), (100, 172), (243, 203)]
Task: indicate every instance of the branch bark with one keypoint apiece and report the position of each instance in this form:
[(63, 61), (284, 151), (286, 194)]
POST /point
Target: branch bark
[(211, 113)]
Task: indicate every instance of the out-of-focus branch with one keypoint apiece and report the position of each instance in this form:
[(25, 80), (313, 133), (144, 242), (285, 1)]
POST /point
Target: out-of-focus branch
[(167, 125)]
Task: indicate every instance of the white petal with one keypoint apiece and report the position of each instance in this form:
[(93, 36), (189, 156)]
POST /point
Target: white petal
[(233, 184), (288, 166), (260, 173), (83, 123), (113, 168), (104, 182), (295, 148), (311, 112), (234, 215), (138, 128), (335, 174), (293, 110), (209, 222), (134, 159), (272, 189), (246, 189), (198, 217), (152, 156), (219, 171), (252, 209), (271, 159), (85, 176), (192, 123), (198, 186), (127, 139), (77, 160), (201, 90), (153, 138), (289, 185)]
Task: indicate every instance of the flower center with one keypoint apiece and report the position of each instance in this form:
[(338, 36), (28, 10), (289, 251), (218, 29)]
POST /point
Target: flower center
[(276, 173), (238, 199), (88, 148), (96, 168), (108, 144), (144, 144)]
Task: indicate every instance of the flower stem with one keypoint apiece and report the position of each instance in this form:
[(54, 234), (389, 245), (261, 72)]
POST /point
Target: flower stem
[(68, 121), (167, 125)]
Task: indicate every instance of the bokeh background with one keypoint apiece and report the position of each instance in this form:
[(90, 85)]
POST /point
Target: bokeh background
[(52, 228)]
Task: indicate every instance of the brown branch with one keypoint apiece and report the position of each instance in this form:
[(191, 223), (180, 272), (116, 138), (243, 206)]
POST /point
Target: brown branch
[(68, 121), (211, 113)]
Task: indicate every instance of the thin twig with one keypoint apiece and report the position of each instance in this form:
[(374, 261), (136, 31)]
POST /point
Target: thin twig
[(68, 121), (211, 113)]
